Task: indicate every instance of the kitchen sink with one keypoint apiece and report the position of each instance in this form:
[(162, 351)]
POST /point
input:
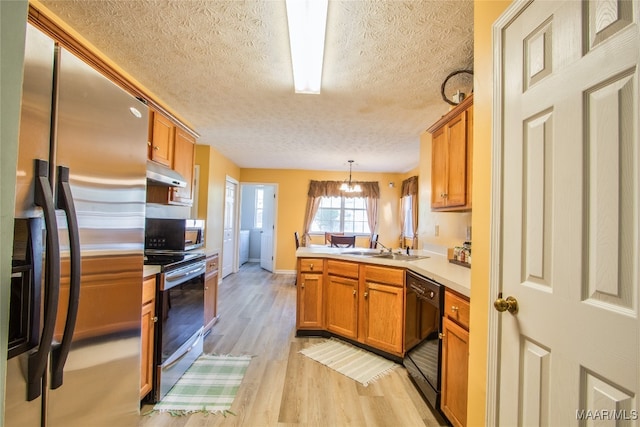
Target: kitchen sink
[(361, 253), (399, 257)]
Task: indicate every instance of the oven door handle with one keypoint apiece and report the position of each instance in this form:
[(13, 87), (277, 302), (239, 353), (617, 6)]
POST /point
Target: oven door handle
[(182, 355), (192, 272)]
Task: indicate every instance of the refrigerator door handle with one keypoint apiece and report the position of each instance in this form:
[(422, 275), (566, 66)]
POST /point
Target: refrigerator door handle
[(43, 197), (60, 352)]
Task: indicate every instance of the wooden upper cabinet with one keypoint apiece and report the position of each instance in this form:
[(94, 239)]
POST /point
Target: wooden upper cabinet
[(451, 159), (161, 139), (174, 147), (184, 157)]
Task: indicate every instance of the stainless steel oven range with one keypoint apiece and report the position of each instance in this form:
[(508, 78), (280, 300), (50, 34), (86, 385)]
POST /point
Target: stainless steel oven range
[(180, 312), (424, 303)]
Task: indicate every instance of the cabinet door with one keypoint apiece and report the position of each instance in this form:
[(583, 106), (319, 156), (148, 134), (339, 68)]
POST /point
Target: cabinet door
[(210, 299), (162, 136), (309, 307), (146, 372), (183, 162), (439, 169), (383, 318), (147, 340), (456, 192), (455, 368), (341, 306)]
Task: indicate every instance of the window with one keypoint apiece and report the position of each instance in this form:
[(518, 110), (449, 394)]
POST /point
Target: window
[(259, 206), (341, 214), (408, 216)]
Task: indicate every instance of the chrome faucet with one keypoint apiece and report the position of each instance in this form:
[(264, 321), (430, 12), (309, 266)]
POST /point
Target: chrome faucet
[(388, 249)]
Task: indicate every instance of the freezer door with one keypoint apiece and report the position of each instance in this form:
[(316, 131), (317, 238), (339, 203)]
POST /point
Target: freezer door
[(34, 144)]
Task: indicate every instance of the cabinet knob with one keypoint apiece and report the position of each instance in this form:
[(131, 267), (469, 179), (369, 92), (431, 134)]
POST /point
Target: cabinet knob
[(441, 335), (445, 195), (310, 266), (206, 288), (302, 285), (354, 292), (155, 147), (454, 308), (366, 294), (155, 319)]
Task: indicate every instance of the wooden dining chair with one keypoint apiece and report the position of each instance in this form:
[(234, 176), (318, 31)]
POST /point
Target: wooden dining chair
[(327, 237), (373, 242), (341, 241)]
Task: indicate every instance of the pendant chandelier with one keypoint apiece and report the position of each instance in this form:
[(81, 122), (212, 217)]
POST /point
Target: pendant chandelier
[(348, 187)]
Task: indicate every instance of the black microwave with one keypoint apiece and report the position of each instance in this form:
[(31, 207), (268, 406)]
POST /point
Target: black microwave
[(176, 235)]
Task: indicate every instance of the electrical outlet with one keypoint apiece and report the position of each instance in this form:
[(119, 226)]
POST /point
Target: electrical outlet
[(437, 230)]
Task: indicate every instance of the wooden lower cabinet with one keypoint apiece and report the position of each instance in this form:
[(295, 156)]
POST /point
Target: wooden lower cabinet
[(455, 359), (310, 294), (211, 292), (342, 306), (382, 308), (148, 325)]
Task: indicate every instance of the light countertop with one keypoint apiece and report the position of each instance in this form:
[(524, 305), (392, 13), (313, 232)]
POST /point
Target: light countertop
[(150, 270), (436, 266)]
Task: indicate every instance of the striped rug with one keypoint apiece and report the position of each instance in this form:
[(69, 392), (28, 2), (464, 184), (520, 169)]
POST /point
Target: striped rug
[(356, 363), (209, 385)]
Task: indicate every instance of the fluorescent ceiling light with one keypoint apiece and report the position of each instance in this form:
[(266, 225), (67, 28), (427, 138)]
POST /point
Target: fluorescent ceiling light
[(307, 26)]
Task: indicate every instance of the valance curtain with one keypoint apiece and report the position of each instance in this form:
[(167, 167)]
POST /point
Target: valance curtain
[(409, 188), (318, 189)]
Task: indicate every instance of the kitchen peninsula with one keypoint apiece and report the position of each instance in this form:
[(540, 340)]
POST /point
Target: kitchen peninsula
[(412, 309)]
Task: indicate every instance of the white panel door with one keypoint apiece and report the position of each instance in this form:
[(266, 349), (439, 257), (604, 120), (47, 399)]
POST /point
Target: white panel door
[(266, 241), (229, 230), (569, 245)]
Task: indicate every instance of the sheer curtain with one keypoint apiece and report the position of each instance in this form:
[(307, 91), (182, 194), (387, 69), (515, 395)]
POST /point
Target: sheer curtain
[(409, 188), (318, 189)]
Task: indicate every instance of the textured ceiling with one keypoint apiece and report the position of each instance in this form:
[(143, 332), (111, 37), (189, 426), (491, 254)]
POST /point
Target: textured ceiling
[(225, 67)]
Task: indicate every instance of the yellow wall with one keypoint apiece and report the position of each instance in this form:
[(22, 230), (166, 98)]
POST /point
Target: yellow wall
[(485, 13), (214, 169), (292, 199)]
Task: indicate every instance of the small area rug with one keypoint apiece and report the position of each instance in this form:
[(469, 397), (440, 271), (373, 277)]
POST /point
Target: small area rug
[(356, 363), (209, 385)]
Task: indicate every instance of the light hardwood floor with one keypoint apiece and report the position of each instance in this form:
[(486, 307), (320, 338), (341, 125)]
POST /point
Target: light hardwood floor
[(282, 387)]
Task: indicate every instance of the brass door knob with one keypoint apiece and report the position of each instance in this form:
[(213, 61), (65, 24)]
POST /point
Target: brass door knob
[(510, 304)]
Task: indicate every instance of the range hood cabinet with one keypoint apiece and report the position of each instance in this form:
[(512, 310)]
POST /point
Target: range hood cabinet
[(158, 174)]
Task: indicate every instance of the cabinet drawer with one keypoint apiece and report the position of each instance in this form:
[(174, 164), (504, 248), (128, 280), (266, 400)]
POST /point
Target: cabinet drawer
[(390, 276), (212, 263), (312, 265), (456, 308), (341, 268), (148, 289)]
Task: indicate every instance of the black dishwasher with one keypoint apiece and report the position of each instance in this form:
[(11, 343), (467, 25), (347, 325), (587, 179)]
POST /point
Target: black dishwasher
[(423, 325)]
